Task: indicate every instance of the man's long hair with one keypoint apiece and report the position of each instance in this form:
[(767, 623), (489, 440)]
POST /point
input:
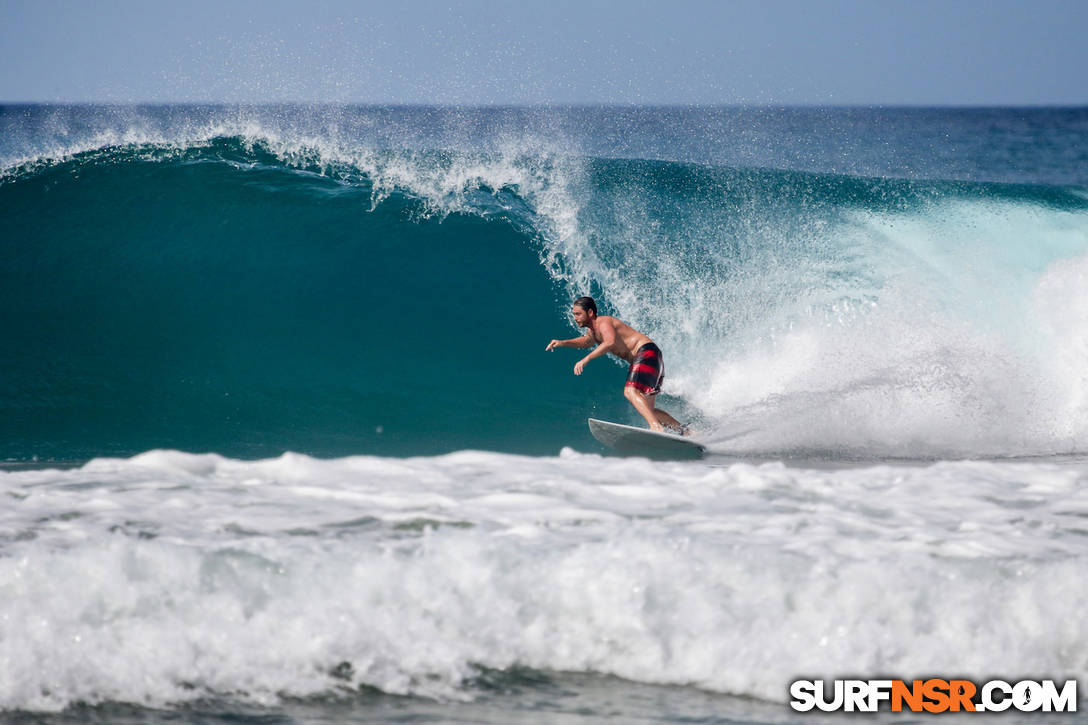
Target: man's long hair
[(587, 304)]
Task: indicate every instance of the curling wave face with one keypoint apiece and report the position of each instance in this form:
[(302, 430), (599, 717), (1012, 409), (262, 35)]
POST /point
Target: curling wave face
[(238, 280)]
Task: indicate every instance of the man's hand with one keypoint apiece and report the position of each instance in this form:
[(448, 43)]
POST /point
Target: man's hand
[(578, 367), (552, 345)]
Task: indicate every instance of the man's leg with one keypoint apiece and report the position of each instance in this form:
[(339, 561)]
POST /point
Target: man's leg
[(645, 404), (668, 421)]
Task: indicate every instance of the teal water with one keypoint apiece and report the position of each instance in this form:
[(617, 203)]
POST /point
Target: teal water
[(208, 280), (229, 302)]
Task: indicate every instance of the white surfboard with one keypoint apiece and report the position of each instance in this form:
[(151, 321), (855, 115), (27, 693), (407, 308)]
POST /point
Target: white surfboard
[(643, 442)]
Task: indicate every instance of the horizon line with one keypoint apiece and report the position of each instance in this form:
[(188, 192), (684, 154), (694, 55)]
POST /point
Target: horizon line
[(548, 104)]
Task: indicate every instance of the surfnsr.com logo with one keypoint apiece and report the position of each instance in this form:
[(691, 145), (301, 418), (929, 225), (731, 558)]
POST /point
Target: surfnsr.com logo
[(933, 695)]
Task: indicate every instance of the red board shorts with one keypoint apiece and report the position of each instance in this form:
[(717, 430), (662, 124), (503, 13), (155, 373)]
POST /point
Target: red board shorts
[(647, 372)]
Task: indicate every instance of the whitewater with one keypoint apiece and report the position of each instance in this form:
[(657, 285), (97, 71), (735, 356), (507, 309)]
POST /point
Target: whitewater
[(238, 485)]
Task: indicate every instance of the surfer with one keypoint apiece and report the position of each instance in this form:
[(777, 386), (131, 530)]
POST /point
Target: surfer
[(647, 368)]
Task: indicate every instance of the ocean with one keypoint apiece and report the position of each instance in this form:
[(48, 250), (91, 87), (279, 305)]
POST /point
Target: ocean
[(280, 441)]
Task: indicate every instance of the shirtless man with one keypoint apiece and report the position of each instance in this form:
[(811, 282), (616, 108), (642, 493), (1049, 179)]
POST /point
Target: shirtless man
[(613, 336)]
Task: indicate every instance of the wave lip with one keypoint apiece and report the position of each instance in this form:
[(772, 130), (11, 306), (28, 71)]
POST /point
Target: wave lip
[(1036, 146)]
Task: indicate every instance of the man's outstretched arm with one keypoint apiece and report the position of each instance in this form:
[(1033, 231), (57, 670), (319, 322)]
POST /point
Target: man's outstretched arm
[(584, 341)]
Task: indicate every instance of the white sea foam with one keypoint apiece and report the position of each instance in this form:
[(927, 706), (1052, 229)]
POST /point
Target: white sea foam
[(170, 576), (1061, 307)]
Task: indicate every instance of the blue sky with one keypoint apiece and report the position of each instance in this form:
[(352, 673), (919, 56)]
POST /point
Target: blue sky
[(921, 52)]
